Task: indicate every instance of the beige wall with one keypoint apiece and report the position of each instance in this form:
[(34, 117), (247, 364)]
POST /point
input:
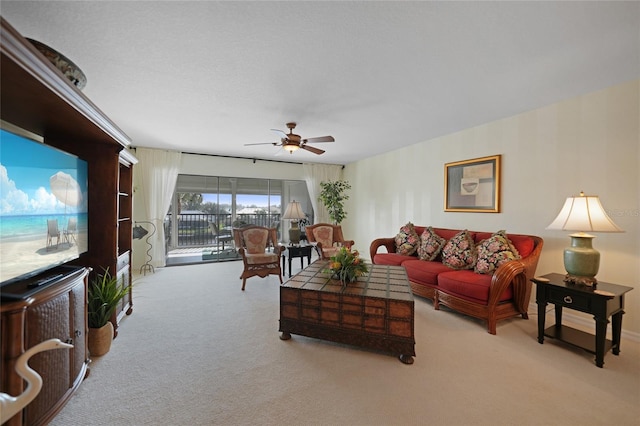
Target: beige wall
[(590, 143)]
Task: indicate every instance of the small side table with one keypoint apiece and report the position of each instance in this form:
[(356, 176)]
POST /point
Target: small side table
[(603, 301), (300, 251)]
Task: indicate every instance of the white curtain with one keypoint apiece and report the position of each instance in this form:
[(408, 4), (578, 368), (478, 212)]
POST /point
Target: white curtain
[(158, 173), (313, 175)]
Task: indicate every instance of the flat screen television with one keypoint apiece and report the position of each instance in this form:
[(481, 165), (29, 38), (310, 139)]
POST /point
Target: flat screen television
[(43, 205)]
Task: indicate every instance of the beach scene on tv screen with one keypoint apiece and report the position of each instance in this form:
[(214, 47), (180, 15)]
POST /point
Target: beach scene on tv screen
[(43, 206)]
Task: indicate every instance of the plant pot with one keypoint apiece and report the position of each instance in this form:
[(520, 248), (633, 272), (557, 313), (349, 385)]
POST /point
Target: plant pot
[(100, 339)]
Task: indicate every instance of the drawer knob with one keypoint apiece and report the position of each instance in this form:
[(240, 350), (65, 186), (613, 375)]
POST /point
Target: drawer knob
[(568, 299)]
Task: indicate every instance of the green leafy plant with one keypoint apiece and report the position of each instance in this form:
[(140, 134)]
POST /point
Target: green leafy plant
[(347, 266), (104, 294), (333, 197)]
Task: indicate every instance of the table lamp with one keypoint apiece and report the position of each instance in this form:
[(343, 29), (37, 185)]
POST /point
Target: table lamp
[(583, 213), (295, 213)]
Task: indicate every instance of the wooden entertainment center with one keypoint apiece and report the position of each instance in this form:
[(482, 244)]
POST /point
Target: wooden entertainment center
[(36, 97)]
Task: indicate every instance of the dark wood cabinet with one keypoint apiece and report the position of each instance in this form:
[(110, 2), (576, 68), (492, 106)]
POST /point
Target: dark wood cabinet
[(36, 97), (58, 311), (124, 233)]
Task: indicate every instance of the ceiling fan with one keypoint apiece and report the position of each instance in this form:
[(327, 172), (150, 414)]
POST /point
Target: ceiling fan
[(291, 142)]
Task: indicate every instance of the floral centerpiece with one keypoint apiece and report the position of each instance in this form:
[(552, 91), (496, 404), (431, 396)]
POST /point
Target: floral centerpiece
[(347, 266)]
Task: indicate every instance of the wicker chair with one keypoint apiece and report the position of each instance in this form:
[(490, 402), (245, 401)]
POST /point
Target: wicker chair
[(328, 238), (260, 251)]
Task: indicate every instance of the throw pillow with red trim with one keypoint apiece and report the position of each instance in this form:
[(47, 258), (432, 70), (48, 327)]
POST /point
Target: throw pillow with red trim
[(407, 240), (460, 251), (495, 251), (431, 244)]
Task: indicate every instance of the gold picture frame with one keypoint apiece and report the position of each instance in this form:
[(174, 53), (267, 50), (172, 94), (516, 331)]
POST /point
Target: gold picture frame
[(473, 185)]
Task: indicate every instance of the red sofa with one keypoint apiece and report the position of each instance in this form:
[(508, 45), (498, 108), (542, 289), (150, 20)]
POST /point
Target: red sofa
[(491, 297)]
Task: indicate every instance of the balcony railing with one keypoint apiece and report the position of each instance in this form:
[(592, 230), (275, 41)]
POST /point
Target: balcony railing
[(194, 229)]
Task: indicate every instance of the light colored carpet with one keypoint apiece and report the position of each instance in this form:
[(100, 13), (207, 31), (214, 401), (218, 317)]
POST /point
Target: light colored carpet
[(199, 351)]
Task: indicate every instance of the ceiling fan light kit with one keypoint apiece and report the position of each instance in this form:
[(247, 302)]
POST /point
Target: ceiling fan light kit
[(291, 147), (292, 142)]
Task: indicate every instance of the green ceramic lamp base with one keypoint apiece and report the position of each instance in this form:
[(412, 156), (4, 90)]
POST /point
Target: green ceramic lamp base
[(294, 233), (581, 260)]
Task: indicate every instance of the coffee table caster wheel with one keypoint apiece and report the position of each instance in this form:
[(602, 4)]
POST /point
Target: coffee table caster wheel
[(406, 359), (285, 335)]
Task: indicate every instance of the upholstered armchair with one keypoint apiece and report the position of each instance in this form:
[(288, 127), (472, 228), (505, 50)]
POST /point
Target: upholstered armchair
[(260, 252), (328, 238)]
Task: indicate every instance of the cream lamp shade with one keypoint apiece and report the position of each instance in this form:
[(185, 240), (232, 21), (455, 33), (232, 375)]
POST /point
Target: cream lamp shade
[(583, 213), (294, 213)]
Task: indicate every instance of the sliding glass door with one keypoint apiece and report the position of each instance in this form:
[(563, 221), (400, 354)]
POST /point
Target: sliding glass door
[(205, 209)]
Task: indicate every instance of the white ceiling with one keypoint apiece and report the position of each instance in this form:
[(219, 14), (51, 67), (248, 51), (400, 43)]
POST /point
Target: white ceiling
[(209, 77)]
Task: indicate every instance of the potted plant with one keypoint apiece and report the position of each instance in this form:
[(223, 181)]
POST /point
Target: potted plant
[(333, 196), (104, 295), (346, 266)]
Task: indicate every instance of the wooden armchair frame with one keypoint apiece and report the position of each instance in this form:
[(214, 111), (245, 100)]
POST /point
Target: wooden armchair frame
[(338, 239), (261, 263)]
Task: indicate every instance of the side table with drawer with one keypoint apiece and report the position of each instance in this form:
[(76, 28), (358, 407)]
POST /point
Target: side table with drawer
[(301, 251), (603, 301)]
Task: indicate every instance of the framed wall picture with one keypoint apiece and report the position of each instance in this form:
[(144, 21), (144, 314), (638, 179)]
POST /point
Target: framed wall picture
[(472, 185)]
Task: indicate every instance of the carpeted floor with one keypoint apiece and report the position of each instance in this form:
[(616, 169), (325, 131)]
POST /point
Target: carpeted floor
[(199, 351)]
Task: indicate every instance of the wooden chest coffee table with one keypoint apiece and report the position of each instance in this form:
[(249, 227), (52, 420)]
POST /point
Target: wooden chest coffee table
[(374, 312)]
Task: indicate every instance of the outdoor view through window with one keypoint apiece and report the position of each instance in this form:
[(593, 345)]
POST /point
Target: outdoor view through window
[(207, 208)]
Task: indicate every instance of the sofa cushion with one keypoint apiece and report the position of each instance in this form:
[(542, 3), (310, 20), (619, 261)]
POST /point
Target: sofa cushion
[(448, 234), (261, 258), (393, 259), (469, 286), (430, 244), (424, 272), (407, 240), (493, 252), (330, 251), (460, 252), (523, 243)]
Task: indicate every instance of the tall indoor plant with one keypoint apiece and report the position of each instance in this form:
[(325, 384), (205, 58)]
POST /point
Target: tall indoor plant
[(104, 294), (333, 196)]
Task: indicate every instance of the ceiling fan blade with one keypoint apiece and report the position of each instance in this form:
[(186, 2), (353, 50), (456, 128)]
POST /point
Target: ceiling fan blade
[(282, 134), (261, 143), (319, 139), (312, 149)]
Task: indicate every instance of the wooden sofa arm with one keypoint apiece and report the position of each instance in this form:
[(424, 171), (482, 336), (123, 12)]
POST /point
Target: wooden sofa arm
[(522, 285), (512, 272), (388, 243)]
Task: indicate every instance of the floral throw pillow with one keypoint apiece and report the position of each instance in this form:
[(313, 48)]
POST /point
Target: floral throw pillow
[(495, 251), (430, 244), (460, 251), (407, 240)]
